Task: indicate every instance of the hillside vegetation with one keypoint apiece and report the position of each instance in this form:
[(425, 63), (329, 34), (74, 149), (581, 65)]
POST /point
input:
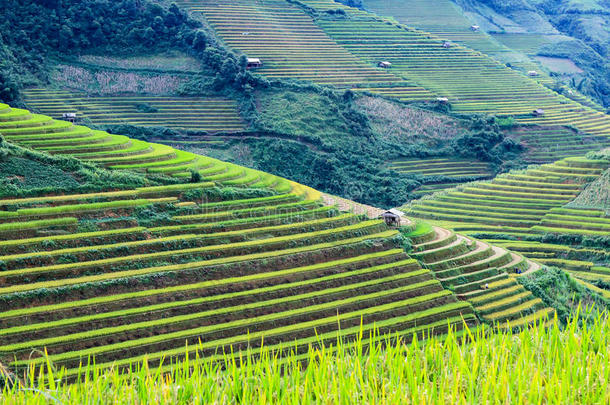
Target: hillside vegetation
[(26, 173), (180, 224), (193, 80)]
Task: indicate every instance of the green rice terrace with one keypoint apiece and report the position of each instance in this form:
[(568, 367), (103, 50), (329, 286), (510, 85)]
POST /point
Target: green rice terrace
[(291, 46), (310, 43), (210, 114), (453, 170), (45, 134), (304, 201), (132, 275), (123, 276), (541, 213), (441, 18), (550, 143)]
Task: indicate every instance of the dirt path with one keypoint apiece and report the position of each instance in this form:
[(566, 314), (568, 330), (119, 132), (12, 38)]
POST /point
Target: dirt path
[(352, 206)]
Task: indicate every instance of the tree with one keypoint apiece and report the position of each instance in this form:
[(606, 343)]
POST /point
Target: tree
[(200, 40)]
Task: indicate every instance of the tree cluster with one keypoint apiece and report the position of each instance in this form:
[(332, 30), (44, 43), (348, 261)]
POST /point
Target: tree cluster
[(36, 30)]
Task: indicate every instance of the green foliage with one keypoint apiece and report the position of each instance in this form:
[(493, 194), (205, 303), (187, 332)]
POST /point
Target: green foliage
[(214, 194), (104, 26), (29, 173), (558, 290), (486, 142), (359, 370), (594, 81), (195, 176), (26, 174), (146, 108), (335, 143)]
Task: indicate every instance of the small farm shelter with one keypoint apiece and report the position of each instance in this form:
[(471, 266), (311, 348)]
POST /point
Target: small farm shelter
[(474, 28), (384, 64), (532, 73), (447, 44), (442, 100), (254, 63), (69, 117), (539, 112), (393, 217)]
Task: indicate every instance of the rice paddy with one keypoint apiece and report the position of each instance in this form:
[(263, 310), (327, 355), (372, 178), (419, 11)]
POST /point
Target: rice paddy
[(43, 133), (531, 207), (225, 272), (473, 367), (187, 113)]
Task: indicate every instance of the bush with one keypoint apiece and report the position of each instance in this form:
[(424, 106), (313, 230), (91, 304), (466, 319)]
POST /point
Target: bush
[(195, 176), (559, 290)]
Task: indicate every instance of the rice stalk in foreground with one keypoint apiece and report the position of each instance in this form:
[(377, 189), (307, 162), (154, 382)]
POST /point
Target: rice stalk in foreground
[(558, 365)]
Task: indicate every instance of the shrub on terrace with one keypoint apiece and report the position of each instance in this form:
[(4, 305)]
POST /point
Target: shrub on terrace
[(560, 291), (28, 173)]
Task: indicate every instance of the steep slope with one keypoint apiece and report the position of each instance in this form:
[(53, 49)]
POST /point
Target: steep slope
[(128, 275), (168, 269), (291, 46), (531, 212), (481, 274), (133, 274), (473, 82), (209, 114), (42, 133)]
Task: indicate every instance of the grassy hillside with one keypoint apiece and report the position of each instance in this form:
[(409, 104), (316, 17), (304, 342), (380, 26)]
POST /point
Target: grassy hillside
[(153, 267), (133, 274), (195, 85), (42, 133), (126, 275), (209, 114), (26, 173)]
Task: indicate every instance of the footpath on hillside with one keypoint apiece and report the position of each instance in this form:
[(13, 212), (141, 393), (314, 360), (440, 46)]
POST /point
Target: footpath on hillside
[(351, 206)]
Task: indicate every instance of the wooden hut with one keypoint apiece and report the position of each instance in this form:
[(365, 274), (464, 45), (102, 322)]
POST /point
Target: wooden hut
[(539, 112), (69, 117), (393, 217), (254, 63)]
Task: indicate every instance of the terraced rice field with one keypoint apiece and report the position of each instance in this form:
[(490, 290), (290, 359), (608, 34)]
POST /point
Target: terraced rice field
[(513, 202), (345, 52), (527, 206), (190, 113), (43, 133), (431, 188), (526, 43), (420, 58), (291, 46), (445, 167), (451, 172), (547, 143), (441, 18), (481, 274), (218, 275), (576, 221), (287, 41)]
